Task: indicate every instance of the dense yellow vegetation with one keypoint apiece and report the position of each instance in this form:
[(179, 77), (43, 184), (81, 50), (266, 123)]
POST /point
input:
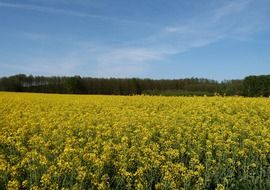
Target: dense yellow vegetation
[(135, 142)]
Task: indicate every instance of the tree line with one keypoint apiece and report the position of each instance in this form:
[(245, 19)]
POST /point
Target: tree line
[(250, 86)]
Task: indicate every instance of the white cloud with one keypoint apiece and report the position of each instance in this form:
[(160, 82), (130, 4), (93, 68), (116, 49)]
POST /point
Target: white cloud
[(198, 32), (232, 20), (130, 54), (49, 10), (65, 63), (35, 36), (178, 29), (45, 9), (231, 8), (125, 61)]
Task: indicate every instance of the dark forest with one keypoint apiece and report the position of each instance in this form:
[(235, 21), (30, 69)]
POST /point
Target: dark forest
[(252, 86)]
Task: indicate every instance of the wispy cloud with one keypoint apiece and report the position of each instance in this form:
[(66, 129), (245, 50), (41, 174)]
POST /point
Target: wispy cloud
[(42, 66), (34, 36), (197, 32), (125, 62), (52, 10), (65, 63), (225, 21), (232, 20), (230, 8)]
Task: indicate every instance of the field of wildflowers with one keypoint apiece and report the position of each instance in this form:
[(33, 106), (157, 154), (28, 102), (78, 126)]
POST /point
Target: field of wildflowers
[(133, 142)]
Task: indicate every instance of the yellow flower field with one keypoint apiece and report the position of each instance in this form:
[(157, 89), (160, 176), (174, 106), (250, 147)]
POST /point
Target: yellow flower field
[(133, 142)]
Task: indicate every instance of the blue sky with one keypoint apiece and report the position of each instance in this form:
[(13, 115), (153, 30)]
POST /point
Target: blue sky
[(217, 39)]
